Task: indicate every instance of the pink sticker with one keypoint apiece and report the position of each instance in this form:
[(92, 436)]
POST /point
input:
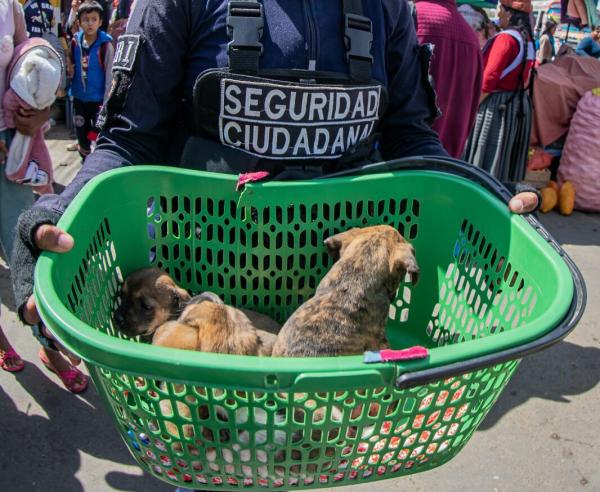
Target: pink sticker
[(245, 178)]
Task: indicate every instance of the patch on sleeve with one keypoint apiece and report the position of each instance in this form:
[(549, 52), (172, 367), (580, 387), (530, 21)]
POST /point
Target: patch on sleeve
[(126, 52)]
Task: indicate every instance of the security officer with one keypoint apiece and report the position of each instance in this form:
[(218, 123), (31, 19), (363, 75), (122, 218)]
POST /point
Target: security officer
[(297, 88)]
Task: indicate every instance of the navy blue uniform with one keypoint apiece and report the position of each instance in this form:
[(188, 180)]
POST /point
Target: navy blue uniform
[(178, 40)]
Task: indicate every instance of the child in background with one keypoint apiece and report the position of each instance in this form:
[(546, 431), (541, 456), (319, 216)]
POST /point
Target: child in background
[(90, 65)]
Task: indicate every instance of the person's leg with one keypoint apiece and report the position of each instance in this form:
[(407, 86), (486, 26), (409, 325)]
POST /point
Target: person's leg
[(9, 359), (82, 126), (14, 199)]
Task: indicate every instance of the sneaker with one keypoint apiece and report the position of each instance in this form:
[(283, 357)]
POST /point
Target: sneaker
[(72, 147)]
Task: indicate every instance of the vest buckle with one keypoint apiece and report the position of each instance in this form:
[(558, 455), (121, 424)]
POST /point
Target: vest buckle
[(358, 37), (245, 24)]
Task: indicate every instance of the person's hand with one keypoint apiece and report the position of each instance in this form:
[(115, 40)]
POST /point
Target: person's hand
[(3, 151), (75, 5), (47, 238), (28, 121), (523, 203)]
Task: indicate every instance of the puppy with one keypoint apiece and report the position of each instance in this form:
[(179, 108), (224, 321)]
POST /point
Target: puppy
[(149, 298), (207, 324), (349, 310)]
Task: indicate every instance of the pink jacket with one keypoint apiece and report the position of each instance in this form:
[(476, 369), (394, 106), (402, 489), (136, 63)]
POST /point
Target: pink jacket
[(28, 162)]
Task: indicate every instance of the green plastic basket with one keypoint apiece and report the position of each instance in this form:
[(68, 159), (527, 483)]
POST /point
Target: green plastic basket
[(491, 290)]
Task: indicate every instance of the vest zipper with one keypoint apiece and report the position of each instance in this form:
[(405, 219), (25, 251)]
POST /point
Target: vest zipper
[(311, 35)]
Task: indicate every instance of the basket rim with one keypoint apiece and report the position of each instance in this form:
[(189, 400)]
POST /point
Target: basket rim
[(275, 373)]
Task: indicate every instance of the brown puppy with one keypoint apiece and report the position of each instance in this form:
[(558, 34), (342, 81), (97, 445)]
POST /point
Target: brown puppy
[(207, 324), (349, 310), (149, 298)]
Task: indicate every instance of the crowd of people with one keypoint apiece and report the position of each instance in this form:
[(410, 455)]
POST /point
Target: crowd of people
[(481, 71), (79, 34)]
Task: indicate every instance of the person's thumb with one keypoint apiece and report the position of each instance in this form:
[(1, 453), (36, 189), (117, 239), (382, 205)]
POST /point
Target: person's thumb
[(51, 238)]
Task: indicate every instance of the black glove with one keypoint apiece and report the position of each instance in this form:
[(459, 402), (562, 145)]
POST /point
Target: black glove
[(25, 253)]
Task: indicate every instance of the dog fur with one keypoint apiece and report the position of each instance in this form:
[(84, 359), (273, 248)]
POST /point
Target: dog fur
[(349, 310), (207, 324), (149, 298)]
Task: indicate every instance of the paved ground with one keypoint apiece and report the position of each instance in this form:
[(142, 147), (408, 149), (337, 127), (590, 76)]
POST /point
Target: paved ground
[(541, 435)]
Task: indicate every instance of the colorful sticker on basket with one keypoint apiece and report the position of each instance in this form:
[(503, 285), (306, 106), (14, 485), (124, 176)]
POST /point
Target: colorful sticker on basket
[(462, 410), (411, 440), (387, 355), (458, 394), (387, 457), (432, 418), (246, 178), (440, 433), (448, 413), (426, 402), (442, 397), (431, 448)]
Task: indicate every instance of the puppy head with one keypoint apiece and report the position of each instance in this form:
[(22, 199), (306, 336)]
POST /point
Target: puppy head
[(337, 245), (149, 298), (377, 245)]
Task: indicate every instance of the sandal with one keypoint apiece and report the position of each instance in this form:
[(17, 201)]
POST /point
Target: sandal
[(11, 356), (69, 377)]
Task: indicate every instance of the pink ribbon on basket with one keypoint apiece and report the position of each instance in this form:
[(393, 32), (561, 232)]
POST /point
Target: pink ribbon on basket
[(388, 355), (250, 178)]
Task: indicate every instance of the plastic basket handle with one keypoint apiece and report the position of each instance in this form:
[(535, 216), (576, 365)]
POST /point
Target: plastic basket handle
[(478, 175)]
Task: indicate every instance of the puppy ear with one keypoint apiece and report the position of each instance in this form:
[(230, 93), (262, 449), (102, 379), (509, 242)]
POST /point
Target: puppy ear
[(179, 296), (404, 261), (335, 244)]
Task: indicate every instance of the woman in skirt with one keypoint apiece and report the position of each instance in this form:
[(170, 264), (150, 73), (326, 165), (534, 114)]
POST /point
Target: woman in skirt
[(500, 139)]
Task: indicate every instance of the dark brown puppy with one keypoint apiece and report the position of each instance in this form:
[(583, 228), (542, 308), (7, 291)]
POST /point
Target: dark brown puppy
[(349, 310), (209, 325), (149, 298)]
